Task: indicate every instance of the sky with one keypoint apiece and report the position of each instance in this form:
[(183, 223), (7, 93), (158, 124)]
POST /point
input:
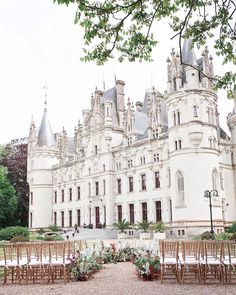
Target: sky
[(40, 45)]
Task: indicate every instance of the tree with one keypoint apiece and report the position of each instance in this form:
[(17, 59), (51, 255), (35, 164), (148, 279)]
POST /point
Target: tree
[(122, 226), (128, 27), (8, 200), (14, 158)]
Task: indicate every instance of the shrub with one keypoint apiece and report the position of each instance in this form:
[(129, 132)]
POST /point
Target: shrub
[(232, 229), (41, 231), (223, 236), (233, 237), (206, 235), (58, 238), (54, 228), (19, 239), (48, 239), (10, 232)]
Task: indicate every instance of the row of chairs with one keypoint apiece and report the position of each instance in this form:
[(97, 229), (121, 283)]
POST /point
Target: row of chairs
[(201, 260), (44, 261)]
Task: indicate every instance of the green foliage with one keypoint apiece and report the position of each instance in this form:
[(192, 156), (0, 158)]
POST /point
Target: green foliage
[(58, 238), (144, 225), (130, 29), (36, 238), (232, 229), (223, 237), (41, 230), (196, 238), (159, 227), (54, 228), (147, 266), (85, 266), (48, 239), (8, 200), (233, 237), (14, 159), (19, 239), (206, 235), (122, 226), (10, 232)]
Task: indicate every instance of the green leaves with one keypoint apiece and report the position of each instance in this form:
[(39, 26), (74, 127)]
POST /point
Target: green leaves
[(125, 28)]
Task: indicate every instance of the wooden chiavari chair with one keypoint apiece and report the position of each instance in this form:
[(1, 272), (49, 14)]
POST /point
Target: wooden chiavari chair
[(169, 259), (211, 260), (190, 260), (228, 259), (58, 262)]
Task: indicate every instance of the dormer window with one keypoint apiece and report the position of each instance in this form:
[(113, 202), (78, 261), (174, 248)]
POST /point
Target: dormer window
[(155, 133)]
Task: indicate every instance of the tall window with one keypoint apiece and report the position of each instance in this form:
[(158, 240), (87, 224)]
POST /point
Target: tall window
[(70, 218), (221, 181), (55, 218), (143, 181), (31, 197), (104, 187), (178, 144), (154, 133), (119, 186), (195, 111), (144, 211), (89, 189), (55, 197), (131, 213), (180, 187), (78, 192), (142, 160), (131, 184), (169, 177), (119, 211), (96, 149), (97, 188), (210, 115), (158, 211), (215, 179), (156, 157), (70, 194), (212, 141), (176, 117), (62, 195), (157, 179), (62, 219), (78, 218), (31, 220), (130, 142), (130, 163)]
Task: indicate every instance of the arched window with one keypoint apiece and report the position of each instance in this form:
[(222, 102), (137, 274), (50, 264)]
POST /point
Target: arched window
[(215, 179), (180, 188)]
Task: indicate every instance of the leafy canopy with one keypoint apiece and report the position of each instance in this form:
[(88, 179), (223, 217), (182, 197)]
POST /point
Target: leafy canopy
[(8, 200), (128, 27)]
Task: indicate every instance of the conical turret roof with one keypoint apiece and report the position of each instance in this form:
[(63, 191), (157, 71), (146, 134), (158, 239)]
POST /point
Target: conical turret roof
[(46, 136), (188, 53)]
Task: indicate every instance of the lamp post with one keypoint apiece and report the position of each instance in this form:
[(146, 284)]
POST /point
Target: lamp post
[(209, 194)]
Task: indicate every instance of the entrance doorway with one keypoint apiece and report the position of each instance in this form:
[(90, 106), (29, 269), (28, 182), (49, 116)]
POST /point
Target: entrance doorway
[(97, 217)]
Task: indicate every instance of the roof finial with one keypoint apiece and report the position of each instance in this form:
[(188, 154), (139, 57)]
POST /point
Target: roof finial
[(45, 88)]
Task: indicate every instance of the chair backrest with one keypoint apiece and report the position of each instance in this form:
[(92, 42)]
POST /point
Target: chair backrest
[(190, 249), (211, 250), (169, 248)]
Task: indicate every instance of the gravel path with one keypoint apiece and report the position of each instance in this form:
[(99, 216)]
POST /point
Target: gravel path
[(116, 279)]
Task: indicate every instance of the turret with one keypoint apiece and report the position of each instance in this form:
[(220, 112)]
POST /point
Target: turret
[(41, 158)]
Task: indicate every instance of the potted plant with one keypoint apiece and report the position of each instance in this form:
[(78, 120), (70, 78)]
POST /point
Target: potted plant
[(144, 226), (122, 226), (159, 230)]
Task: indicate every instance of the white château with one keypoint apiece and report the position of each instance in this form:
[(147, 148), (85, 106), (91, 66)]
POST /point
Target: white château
[(150, 160)]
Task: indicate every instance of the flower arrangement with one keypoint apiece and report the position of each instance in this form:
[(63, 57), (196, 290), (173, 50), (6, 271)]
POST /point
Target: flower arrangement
[(147, 266)]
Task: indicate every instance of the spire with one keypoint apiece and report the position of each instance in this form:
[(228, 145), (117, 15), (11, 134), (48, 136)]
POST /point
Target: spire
[(46, 136), (188, 53)]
